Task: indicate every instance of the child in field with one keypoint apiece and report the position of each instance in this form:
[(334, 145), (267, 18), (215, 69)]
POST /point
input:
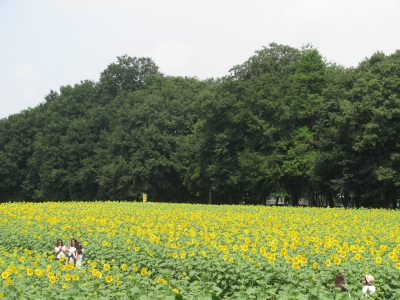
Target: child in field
[(80, 256), (368, 287)]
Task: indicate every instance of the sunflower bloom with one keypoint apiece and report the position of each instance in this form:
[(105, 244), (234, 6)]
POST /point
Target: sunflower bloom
[(328, 262), (143, 271), (5, 274), (176, 291)]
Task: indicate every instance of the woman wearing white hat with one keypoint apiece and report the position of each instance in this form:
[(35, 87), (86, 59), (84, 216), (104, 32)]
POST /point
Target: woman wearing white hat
[(368, 287)]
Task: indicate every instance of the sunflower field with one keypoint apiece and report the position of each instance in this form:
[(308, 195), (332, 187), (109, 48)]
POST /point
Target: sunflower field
[(186, 251)]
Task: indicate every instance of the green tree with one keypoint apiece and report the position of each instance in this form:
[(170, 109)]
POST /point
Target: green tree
[(375, 115), (215, 169), (263, 89), (127, 74), (358, 133), (17, 133), (308, 82), (138, 154), (62, 145), (333, 139)]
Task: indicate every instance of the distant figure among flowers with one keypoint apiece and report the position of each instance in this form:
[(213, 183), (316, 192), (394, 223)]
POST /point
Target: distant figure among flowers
[(340, 282), (72, 251), (368, 287), (79, 254), (60, 249)]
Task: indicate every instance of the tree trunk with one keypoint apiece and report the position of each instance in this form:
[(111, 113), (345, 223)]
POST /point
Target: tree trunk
[(316, 199), (357, 201), (310, 197), (290, 197), (188, 199), (394, 201), (209, 194), (294, 198), (332, 200), (391, 199)]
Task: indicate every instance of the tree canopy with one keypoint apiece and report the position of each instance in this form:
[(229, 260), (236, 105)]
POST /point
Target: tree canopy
[(283, 123)]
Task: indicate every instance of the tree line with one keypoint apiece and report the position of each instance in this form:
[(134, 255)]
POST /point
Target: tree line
[(283, 123)]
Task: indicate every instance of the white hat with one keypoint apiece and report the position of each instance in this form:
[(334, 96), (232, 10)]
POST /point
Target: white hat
[(370, 279)]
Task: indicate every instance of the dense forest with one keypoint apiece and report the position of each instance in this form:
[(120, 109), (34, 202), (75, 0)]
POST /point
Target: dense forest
[(283, 123)]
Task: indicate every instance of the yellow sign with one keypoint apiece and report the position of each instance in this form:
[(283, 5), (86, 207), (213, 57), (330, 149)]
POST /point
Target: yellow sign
[(144, 198)]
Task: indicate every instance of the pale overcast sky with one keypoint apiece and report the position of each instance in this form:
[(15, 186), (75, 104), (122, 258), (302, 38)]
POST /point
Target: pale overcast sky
[(45, 44)]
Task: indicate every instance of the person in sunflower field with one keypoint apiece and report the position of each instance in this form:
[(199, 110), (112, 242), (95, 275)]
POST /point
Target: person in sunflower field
[(340, 283), (368, 287), (72, 251), (80, 255), (60, 249)]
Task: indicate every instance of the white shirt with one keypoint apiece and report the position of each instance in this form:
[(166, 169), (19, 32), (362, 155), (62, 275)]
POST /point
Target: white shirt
[(371, 289), (79, 260), (61, 253), (71, 250)]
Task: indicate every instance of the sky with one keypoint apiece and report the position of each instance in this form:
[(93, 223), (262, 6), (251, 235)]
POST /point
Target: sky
[(46, 44)]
